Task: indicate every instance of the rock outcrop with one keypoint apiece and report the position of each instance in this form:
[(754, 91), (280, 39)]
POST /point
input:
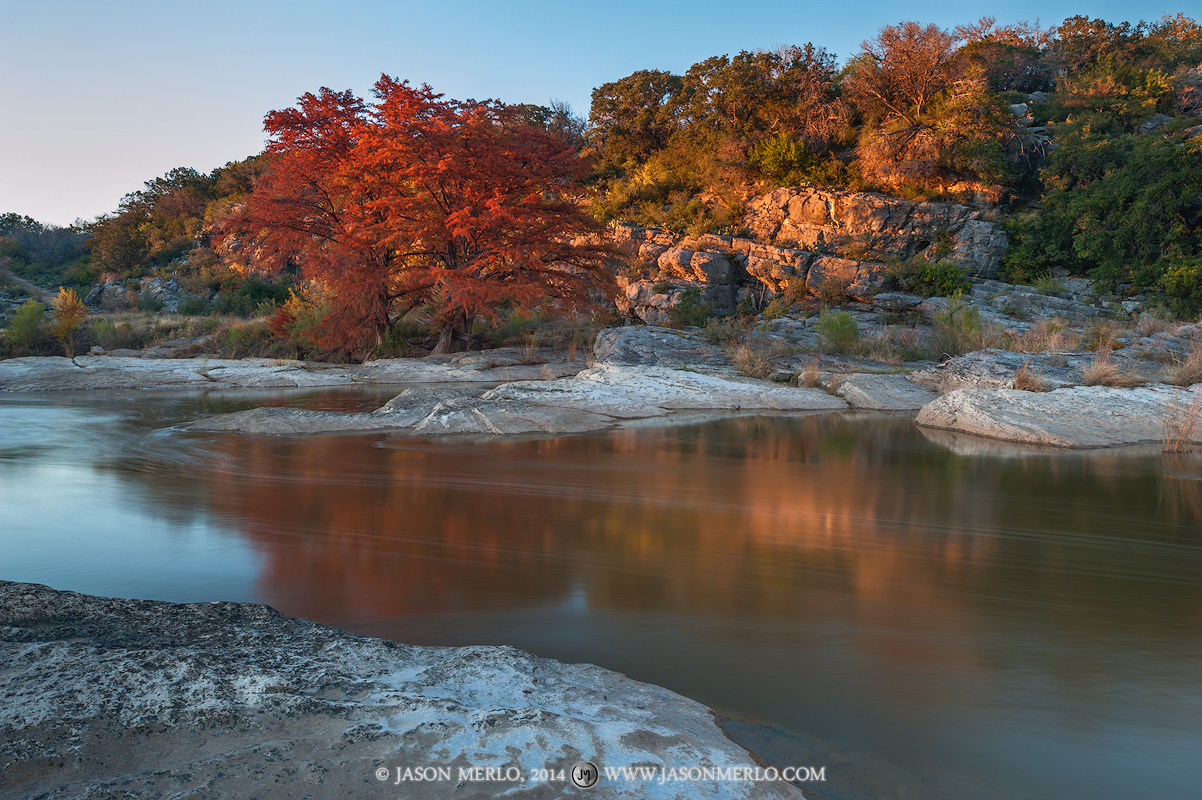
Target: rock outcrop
[(836, 222), (135, 698), (53, 373), (1082, 416)]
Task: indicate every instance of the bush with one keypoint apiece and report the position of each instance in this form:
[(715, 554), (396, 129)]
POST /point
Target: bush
[(837, 330), (958, 329), (937, 279), (27, 330), (118, 335), (689, 310), (249, 296), (193, 306)]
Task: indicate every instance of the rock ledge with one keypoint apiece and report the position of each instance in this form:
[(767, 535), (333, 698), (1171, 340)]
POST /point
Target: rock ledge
[(136, 698)]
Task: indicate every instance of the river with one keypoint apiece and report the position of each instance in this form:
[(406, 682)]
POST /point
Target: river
[(924, 618)]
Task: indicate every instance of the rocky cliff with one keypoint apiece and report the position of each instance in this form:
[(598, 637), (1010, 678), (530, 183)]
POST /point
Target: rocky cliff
[(828, 240)]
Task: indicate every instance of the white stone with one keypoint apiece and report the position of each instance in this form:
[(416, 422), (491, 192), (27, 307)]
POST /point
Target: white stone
[(1082, 416)]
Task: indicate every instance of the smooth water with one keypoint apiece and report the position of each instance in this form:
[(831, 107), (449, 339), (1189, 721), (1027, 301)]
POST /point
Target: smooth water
[(926, 619)]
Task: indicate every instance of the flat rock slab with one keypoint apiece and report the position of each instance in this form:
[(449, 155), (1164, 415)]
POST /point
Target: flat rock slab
[(136, 698), (996, 369), (507, 418), (295, 422), (883, 392), (42, 374), (642, 392), (1083, 416)]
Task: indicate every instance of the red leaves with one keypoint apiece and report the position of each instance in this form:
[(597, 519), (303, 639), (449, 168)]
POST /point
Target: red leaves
[(418, 199)]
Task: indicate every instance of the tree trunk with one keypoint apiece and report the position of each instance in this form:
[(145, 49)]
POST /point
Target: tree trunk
[(454, 337)]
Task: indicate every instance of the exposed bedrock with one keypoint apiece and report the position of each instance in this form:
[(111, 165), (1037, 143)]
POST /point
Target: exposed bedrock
[(136, 698)]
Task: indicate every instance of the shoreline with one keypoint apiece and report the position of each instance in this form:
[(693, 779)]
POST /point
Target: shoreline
[(236, 700)]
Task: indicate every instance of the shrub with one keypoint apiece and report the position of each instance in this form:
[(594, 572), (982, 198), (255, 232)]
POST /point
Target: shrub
[(958, 329), (755, 360), (193, 306), (794, 292), (689, 310), (1049, 284), (69, 314), (721, 331), (119, 335), (837, 330), (27, 329), (937, 279)]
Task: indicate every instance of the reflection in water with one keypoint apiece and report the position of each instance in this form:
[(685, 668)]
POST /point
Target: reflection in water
[(925, 623)]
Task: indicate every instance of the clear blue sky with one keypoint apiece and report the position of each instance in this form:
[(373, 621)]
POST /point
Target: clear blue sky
[(98, 98)]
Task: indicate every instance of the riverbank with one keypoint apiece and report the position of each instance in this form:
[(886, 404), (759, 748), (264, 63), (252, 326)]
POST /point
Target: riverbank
[(145, 698), (646, 372)]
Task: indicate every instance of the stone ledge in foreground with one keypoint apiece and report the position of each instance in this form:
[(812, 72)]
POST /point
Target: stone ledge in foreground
[(137, 698), (1078, 417)]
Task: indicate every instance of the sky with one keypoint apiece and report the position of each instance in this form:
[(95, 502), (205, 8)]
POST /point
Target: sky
[(98, 98)]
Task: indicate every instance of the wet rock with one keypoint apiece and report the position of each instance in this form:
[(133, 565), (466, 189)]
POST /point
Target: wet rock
[(136, 698), (1083, 416), (296, 422)]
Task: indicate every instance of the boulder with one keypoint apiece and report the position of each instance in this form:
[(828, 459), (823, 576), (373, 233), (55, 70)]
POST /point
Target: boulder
[(1083, 416), (136, 698), (639, 345)]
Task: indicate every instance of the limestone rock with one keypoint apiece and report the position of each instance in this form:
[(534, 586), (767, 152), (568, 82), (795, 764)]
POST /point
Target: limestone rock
[(135, 698), (883, 392), (1083, 416), (294, 422), (996, 369), (638, 345), (635, 393), (498, 417)]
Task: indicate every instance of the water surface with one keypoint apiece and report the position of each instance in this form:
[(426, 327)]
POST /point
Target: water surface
[(924, 620)]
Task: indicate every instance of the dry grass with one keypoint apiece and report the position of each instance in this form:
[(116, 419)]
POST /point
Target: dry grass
[(1101, 335), (1189, 371), (1150, 325), (755, 361), (1028, 381), (1047, 336), (1103, 371), (810, 376), (1179, 425)]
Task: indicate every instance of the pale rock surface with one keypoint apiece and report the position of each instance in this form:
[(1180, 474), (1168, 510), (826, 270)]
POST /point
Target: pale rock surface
[(996, 369), (655, 391), (499, 417), (52, 373), (294, 422), (1083, 416), (866, 391), (638, 345), (136, 698)]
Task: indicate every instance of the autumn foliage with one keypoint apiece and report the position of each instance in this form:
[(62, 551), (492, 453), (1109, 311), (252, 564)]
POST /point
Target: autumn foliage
[(419, 201), (69, 316)]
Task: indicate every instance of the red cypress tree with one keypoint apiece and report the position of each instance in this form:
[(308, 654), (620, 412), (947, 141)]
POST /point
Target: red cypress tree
[(421, 200)]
